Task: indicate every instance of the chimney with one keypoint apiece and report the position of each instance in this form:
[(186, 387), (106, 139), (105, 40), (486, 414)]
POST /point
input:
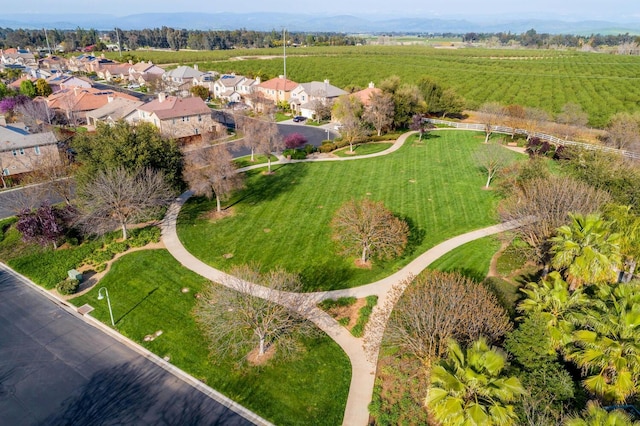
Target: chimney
[(161, 97), (130, 62), (281, 76), (3, 121), (195, 67), (109, 98), (371, 85), (258, 81), (75, 91)]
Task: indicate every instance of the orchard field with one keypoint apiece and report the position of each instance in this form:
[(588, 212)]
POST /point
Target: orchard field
[(602, 84)]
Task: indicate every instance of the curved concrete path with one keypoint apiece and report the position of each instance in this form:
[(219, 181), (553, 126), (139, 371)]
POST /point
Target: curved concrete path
[(362, 352)]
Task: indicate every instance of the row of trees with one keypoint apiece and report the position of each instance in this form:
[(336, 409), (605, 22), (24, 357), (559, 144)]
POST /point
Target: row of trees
[(167, 38), (533, 39)]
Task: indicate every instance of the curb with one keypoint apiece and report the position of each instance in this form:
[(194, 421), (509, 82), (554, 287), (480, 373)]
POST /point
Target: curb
[(170, 368)]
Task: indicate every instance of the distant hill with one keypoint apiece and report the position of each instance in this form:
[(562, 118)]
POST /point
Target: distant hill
[(310, 23)]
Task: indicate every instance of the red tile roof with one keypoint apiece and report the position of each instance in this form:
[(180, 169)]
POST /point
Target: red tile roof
[(279, 84), (172, 107)]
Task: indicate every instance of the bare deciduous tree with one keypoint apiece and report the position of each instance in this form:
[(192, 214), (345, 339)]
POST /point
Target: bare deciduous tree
[(261, 135), (572, 118), (210, 171), (492, 158), (368, 229), (348, 111), (56, 172), (236, 320), (514, 117), (117, 197), (492, 114), (380, 111), (623, 131), (548, 201), (533, 119), (438, 306)]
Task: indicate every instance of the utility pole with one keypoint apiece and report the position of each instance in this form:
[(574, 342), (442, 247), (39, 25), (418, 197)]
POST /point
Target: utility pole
[(119, 46), (47, 38), (284, 51)]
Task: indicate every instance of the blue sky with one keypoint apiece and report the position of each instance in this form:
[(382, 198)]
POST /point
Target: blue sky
[(617, 10)]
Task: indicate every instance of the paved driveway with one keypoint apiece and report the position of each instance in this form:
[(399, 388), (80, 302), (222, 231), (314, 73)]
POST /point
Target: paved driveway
[(55, 369)]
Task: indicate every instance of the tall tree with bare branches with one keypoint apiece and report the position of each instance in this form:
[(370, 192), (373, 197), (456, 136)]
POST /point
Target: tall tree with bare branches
[(438, 306), (210, 171), (238, 317), (543, 206), (380, 111), (492, 158), (118, 197), (492, 114), (368, 229)]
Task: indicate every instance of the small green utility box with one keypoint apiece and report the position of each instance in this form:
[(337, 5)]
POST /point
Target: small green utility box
[(75, 275)]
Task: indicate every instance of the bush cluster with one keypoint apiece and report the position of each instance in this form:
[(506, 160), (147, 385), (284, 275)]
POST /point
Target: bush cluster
[(68, 286)]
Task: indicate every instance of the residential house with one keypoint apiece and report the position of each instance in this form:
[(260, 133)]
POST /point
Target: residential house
[(15, 85), (21, 151), (53, 62), (77, 101), (364, 95), (181, 78), (277, 89), (58, 82), (226, 87), (207, 80), (114, 71), (21, 57), (115, 109), (142, 72), (307, 97), (177, 117)]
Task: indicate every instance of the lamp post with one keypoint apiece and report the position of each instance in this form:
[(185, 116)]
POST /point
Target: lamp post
[(101, 296)]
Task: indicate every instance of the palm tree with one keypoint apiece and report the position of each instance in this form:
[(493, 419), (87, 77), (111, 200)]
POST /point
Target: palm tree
[(467, 388), (587, 250), (557, 306), (595, 415), (607, 344), (626, 223)]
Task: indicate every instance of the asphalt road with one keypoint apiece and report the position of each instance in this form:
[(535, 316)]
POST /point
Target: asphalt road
[(314, 135), (11, 199), (55, 369)]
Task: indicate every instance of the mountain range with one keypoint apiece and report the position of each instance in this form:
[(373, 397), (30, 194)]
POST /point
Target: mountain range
[(263, 21)]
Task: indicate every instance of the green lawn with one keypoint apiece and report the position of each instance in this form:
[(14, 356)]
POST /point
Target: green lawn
[(258, 159), (283, 219), (471, 260), (145, 292), (363, 149)]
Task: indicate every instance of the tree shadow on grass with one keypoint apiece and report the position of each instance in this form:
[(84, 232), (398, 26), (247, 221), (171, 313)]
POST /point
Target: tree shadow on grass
[(416, 235), (268, 186), (326, 276)]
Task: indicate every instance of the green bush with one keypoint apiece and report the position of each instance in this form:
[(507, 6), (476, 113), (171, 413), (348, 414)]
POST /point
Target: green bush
[(309, 149), (68, 286), (100, 256), (143, 236), (119, 247), (101, 267), (337, 303), (327, 147), (363, 316)]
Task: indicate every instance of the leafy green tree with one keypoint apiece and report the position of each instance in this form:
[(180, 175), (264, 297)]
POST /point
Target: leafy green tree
[(200, 91), (128, 146), (607, 344), (469, 388), (594, 415), (43, 88), (27, 88), (587, 250), (549, 385)]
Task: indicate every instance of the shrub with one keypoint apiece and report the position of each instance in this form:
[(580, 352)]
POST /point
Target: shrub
[(119, 247), (327, 147), (309, 149), (143, 236), (337, 303), (68, 286), (101, 267)]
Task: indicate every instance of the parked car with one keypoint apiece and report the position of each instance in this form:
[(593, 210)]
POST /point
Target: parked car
[(299, 118)]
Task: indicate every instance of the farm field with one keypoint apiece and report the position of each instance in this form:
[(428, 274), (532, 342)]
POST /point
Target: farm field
[(548, 79), (284, 219)]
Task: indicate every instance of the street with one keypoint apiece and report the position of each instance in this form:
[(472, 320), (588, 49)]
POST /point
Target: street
[(55, 369)]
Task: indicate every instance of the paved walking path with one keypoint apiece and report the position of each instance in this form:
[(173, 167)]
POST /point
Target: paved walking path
[(362, 352)]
